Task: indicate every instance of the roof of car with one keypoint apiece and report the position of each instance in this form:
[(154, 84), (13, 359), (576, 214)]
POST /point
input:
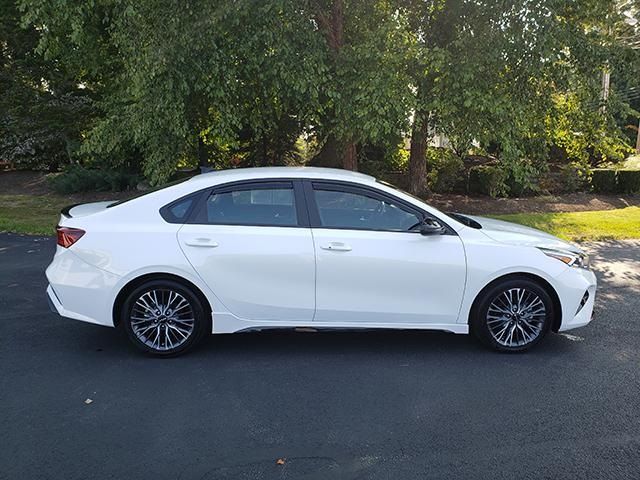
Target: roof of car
[(234, 174)]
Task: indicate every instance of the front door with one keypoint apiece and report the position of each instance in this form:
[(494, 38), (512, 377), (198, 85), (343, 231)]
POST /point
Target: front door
[(373, 266)]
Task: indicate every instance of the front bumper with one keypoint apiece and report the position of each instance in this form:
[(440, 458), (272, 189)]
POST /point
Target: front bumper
[(571, 287)]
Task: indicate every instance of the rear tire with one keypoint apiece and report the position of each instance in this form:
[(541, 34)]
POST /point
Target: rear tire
[(513, 315), (164, 318)]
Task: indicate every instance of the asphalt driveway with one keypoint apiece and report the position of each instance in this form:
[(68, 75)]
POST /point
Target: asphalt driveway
[(388, 405)]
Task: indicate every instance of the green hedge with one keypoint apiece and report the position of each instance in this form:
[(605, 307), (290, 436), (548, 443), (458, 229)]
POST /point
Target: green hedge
[(488, 180), (628, 181), (610, 180), (445, 171), (604, 180)]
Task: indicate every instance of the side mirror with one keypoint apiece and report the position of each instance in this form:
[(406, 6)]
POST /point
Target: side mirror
[(431, 227)]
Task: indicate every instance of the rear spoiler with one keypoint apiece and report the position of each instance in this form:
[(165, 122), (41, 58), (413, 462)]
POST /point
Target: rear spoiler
[(65, 211)]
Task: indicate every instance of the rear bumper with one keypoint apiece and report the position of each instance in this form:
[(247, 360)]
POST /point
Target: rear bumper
[(572, 285), (79, 290)]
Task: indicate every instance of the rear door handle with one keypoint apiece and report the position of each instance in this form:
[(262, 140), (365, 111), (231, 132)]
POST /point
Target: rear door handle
[(201, 242), (336, 247)]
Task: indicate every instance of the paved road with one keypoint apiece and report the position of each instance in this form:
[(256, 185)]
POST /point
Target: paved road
[(350, 405)]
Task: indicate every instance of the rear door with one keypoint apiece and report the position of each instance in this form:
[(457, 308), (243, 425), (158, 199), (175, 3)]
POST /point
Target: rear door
[(251, 244)]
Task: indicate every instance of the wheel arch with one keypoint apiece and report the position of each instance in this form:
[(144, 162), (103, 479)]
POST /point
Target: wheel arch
[(557, 321), (136, 282)]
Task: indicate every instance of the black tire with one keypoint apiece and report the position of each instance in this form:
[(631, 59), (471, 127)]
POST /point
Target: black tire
[(172, 325), (487, 326)]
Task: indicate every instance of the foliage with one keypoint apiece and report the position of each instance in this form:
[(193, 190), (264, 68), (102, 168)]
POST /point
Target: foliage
[(523, 176), (604, 180), (80, 179), (446, 170), (582, 134), (147, 85), (377, 159), (628, 181), (488, 180), (42, 111), (574, 177)]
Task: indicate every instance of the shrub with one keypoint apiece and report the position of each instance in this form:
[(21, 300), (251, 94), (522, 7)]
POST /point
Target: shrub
[(628, 181), (80, 179), (603, 180), (488, 180), (573, 177), (445, 170)]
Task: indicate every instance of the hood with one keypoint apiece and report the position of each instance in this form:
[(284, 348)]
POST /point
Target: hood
[(514, 234)]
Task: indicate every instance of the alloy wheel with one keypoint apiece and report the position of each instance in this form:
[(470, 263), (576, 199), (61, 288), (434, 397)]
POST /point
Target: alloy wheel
[(162, 319), (516, 317)]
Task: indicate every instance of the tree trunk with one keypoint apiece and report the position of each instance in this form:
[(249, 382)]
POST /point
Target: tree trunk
[(350, 156), (335, 153), (203, 160), (417, 156), (329, 154)]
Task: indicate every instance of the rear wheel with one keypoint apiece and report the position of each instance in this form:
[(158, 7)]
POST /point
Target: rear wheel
[(513, 315), (164, 318)]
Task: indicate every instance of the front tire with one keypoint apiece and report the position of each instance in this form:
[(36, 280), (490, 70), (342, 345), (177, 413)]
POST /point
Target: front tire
[(164, 318), (512, 316)]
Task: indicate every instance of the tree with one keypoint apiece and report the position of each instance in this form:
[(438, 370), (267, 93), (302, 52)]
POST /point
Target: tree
[(42, 112), (178, 78), (485, 71), (366, 97), (239, 83)]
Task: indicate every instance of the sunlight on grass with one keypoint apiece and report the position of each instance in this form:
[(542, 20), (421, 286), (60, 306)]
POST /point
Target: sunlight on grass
[(632, 162), (581, 226)]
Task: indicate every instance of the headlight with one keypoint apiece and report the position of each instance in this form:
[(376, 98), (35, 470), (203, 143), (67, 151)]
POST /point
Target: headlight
[(572, 259)]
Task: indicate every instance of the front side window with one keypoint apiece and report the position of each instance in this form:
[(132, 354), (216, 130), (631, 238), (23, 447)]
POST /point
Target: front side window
[(260, 206), (342, 209)]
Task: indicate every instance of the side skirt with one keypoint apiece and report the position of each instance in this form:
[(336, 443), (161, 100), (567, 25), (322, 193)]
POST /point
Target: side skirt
[(228, 323)]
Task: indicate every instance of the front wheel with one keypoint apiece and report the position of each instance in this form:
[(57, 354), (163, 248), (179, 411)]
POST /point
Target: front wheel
[(164, 318), (513, 315)]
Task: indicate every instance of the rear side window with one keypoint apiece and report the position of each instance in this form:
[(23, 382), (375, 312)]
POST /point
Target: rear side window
[(179, 211), (262, 206)]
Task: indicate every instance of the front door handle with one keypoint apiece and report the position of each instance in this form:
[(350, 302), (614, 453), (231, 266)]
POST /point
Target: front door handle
[(201, 242), (336, 247)]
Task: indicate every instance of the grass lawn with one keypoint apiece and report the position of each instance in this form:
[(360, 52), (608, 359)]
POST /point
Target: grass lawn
[(36, 215), (583, 226), (39, 214), (632, 162)]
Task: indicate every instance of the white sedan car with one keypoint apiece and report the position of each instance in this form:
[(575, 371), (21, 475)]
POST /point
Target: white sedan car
[(267, 248)]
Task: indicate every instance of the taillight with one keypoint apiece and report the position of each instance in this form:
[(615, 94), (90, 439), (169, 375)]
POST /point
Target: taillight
[(68, 236)]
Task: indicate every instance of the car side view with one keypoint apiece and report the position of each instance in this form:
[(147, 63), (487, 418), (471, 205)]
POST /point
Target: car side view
[(283, 247)]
